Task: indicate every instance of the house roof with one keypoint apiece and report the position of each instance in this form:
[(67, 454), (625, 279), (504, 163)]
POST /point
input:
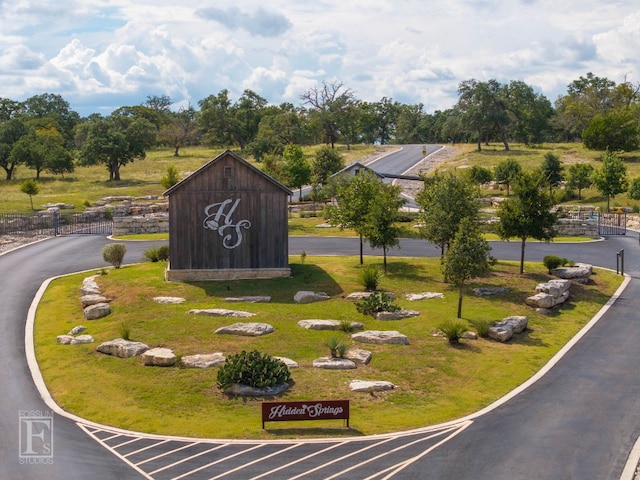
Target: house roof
[(358, 165), (237, 158)]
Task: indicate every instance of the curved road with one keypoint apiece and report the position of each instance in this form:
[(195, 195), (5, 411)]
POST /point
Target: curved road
[(579, 421)]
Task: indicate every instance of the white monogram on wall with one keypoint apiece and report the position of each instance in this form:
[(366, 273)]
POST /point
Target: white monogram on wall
[(218, 218)]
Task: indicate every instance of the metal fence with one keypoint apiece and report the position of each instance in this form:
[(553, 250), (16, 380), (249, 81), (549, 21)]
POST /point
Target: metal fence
[(55, 223)]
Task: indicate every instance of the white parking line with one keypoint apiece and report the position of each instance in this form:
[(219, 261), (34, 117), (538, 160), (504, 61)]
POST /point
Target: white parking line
[(187, 459), (257, 460), (218, 461), (153, 445), (167, 453)]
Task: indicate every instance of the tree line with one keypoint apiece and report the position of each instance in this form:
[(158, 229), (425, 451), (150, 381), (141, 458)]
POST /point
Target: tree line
[(44, 134)]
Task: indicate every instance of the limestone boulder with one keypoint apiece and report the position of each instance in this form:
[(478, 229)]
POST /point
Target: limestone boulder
[(159, 357), (202, 360), (359, 355), (247, 329), (358, 296), (577, 271), (99, 310), (288, 362), (489, 291), (330, 363), (77, 329), (249, 299), (369, 386), (64, 339), (122, 348), (316, 324), (90, 286), (169, 300), (423, 296), (555, 287), (398, 315), (504, 330), (306, 296), (93, 299), (381, 337), (222, 312), (80, 339), (501, 333)]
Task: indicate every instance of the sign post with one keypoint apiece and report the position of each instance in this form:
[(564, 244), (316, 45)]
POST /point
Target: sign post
[(312, 410)]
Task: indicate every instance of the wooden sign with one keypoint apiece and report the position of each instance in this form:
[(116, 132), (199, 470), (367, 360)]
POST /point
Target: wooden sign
[(312, 410)]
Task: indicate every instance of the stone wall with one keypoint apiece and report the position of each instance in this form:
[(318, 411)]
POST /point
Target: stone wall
[(135, 224)]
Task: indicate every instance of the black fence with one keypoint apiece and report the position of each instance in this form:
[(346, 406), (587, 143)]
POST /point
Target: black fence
[(612, 223), (55, 223)]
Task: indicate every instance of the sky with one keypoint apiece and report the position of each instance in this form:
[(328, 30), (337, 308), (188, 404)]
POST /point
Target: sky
[(103, 54)]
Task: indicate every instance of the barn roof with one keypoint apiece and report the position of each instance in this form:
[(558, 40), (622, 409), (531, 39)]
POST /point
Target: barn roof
[(237, 158)]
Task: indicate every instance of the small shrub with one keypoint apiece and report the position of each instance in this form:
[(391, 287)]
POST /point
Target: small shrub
[(346, 326), (370, 277), (481, 327), (125, 331), (377, 302), (163, 253), (453, 330), (553, 261), (336, 348), (151, 254), (171, 177), (86, 203), (113, 253), (254, 369)]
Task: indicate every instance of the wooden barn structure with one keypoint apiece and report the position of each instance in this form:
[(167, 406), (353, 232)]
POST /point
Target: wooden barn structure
[(227, 221)]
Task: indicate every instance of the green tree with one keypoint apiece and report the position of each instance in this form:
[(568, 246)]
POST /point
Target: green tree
[(170, 178), (114, 141), (380, 228), (527, 214), (506, 172), (355, 198), (327, 162), (11, 132), (611, 178), (327, 106), (552, 170), (295, 168), (31, 188), (180, 130), (617, 130), (634, 189), (445, 200), (580, 177), (467, 258), (479, 175)]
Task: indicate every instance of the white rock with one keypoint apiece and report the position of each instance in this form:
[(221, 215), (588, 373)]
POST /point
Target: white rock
[(359, 355), (90, 287), (329, 363), (64, 339), (80, 339), (122, 348), (399, 315), (249, 329), (222, 312), (488, 291), (357, 296), (159, 357), (78, 329), (169, 300), (99, 310), (423, 296), (93, 299), (305, 296), (369, 386), (380, 337), (249, 299), (202, 360), (579, 270), (288, 362)]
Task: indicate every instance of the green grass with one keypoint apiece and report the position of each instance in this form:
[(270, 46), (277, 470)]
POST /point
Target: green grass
[(435, 381)]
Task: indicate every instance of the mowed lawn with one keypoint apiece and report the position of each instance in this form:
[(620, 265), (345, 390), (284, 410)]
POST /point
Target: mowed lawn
[(434, 381)]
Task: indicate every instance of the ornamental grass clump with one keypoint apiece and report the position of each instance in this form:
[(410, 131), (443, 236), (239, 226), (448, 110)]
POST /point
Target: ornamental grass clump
[(253, 369), (370, 277), (377, 302), (337, 348), (453, 330)]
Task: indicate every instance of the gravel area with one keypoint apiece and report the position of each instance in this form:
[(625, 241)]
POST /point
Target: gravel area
[(10, 242)]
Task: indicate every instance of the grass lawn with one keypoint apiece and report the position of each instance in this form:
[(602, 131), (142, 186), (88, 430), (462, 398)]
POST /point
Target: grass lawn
[(435, 381)]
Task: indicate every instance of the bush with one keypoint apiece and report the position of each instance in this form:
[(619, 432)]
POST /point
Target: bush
[(157, 254), (171, 177), (553, 261), (370, 277), (453, 330), (113, 253), (125, 331), (376, 302), (337, 348), (253, 369), (481, 327)]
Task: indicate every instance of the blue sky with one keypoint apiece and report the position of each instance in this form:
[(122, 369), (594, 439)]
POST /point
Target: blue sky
[(103, 54)]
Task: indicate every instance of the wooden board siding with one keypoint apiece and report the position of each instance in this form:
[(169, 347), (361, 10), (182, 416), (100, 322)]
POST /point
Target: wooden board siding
[(256, 199)]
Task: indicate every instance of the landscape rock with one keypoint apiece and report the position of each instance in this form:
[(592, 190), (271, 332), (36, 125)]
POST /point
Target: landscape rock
[(250, 329), (169, 300), (99, 310), (381, 337), (501, 333), (423, 296), (80, 339), (577, 271), (249, 299), (90, 287), (159, 357), (305, 296), (247, 391), (398, 315), (357, 296), (122, 348), (555, 287), (315, 324), (202, 360), (288, 362), (330, 363), (222, 312), (468, 335), (488, 291), (359, 355), (78, 329), (369, 386), (64, 339), (93, 299), (505, 329)]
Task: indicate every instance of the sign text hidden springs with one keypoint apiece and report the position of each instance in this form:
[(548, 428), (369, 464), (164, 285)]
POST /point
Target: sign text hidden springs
[(313, 410)]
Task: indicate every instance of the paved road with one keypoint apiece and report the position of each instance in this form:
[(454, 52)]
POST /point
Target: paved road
[(578, 422)]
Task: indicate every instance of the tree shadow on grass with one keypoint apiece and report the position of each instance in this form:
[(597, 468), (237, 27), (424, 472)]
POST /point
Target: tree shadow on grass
[(408, 271)]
